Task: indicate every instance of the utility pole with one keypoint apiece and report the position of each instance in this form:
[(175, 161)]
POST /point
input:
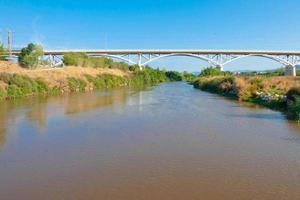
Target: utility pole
[(1, 37), (9, 42)]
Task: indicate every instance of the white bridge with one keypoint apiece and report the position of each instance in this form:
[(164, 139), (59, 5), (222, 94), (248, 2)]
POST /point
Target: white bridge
[(217, 58)]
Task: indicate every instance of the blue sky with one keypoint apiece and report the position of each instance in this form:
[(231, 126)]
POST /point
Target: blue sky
[(181, 24)]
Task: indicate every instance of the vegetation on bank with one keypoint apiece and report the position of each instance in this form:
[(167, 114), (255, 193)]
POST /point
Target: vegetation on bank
[(30, 56), (14, 86), (82, 60), (281, 93)]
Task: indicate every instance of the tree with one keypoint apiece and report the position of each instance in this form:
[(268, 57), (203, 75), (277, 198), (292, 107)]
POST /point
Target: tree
[(30, 56), (3, 52), (174, 76), (213, 71)]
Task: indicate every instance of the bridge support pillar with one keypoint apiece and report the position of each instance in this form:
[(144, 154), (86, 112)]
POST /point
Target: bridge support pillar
[(220, 67), (140, 61), (290, 70)]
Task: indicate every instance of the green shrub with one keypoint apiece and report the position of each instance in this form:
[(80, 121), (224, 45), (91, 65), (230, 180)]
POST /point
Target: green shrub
[(54, 91), (76, 84), (294, 109), (42, 87), (2, 94), (188, 76), (134, 68), (112, 81), (293, 94), (214, 71), (14, 92), (82, 60), (174, 76), (26, 84), (98, 82), (77, 59), (30, 55)]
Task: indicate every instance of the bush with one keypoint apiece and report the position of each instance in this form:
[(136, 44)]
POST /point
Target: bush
[(26, 84), (76, 84), (82, 60), (42, 87), (173, 76), (76, 59), (14, 92), (112, 81), (2, 94), (134, 68), (294, 109), (188, 76), (213, 71), (293, 94), (30, 56)]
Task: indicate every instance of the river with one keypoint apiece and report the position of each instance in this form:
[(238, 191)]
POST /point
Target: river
[(169, 142)]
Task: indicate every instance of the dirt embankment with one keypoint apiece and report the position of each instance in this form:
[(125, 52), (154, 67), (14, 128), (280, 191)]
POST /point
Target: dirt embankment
[(56, 76)]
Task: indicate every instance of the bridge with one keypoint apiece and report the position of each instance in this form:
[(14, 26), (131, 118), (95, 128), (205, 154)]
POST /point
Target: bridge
[(217, 58)]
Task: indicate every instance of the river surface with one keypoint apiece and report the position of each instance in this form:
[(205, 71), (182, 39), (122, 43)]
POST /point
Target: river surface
[(171, 142)]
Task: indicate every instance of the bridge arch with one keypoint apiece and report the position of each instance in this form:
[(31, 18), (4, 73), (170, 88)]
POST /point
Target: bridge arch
[(181, 54), (274, 58)]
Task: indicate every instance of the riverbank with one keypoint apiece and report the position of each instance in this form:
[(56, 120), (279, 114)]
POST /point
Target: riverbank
[(278, 92), (17, 82)]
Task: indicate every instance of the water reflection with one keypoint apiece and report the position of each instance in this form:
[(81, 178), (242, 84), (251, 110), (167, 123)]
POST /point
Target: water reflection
[(37, 110), (90, 101)]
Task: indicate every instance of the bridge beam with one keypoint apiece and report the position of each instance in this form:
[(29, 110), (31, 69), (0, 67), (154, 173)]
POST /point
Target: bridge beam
[(290, 70)]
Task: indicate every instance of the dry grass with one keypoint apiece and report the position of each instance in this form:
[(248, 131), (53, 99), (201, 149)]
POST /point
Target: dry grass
[(248, 86), (57, 76)]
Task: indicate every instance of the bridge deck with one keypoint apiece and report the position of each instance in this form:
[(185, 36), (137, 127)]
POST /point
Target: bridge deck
[(167, 51)]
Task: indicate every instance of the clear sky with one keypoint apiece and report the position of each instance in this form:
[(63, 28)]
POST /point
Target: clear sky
[(153, 24)]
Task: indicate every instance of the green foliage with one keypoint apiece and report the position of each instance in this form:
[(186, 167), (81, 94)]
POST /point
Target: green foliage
[(54, 91), (3, 52), (147, 77), (30, 55), (112, 81), (2, 94), (223, 85), (42, 87), (213, 71), (188, 76), (294, 109), (174, 76), (76, 84), (278, 72), (96, 81), (134, 68), (293, 103), (293, 94), (19, 85), (82, 60), (14, 92), (76, 59)]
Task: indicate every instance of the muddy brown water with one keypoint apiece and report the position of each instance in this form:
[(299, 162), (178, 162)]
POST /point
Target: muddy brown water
[(168, 142)]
